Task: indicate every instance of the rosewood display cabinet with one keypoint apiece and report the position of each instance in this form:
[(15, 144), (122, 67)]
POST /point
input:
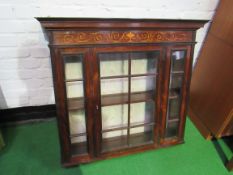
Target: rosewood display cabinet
[(121, 85)]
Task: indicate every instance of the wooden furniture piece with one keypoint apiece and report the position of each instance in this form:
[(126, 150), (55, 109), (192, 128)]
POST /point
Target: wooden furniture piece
[(211, 99), (211, 94), (121, 85), (229, 165)]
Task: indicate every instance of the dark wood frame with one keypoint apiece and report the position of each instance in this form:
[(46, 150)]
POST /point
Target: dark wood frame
[(120, 49), (90, 36), (184, 95), (229, 165), (211, 108), (214, 119)]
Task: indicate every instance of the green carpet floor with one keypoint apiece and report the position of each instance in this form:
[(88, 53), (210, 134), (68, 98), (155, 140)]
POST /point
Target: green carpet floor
[(33, 149)]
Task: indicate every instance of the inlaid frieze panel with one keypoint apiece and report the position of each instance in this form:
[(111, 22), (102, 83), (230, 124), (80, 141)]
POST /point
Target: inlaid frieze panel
[(105, 37)]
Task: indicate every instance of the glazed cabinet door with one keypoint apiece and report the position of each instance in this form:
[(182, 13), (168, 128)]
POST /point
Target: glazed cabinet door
[(73, 94), (178, 70), (127, 94)]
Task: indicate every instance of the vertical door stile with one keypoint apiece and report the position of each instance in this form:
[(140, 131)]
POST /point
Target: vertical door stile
[(129, 98), (185, 91), (165, 89), (88, 99), (96, 101), (157, 96), (62, 113)]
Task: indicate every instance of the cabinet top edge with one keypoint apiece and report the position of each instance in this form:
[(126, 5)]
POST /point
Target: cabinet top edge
[(76, 23)]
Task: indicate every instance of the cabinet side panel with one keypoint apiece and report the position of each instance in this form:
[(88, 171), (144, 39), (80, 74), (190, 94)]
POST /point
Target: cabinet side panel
[(222, 24), (60, 98), (229, 129), (211, 85)]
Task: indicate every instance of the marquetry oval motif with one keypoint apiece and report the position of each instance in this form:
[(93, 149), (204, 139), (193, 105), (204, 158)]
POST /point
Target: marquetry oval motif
[(108, 37)]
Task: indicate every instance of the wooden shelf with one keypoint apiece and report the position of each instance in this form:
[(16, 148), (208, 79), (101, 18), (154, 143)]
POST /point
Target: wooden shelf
[(79, 148), (75, 103), (172, 129), (126, 126), (177, 72), (113, 99), (115, 143), (78, 135), (127, 76), (173, 94), (73, 80), (173, 120), (120, 142)]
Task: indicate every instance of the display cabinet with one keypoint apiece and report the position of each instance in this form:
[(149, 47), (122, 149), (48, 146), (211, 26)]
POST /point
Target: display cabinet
[(121, 85)]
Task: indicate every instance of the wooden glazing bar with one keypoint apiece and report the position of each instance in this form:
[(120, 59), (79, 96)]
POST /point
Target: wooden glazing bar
[(177, 72), (73, 80), (129, 97), (173, 120), (78, 135), (132, 75), (126, 127)]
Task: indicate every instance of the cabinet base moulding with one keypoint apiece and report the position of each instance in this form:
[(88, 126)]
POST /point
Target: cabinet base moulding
[(137, 150)]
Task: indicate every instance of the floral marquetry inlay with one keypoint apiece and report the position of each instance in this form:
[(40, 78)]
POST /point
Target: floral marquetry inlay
[(105, 37)]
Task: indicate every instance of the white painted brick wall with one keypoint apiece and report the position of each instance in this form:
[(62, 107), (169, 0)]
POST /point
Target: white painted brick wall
[(25, 69)]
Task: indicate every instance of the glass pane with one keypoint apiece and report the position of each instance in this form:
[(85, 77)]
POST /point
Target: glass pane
[(144, 62), (73, 67), (141, 135), (77, 121), (116, 93), (172, 129), (143, 83), (142, 113), (174, 108), (114, 96), (178, 58), (114, 86), (114, 140), (113, 134), (114, 116), (175, 92), (176, 81), (112, 64), (79, 145), (74, 89), (78, 139)]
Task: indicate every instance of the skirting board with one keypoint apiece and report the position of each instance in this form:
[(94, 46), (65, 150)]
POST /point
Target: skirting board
[(27, 114)]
